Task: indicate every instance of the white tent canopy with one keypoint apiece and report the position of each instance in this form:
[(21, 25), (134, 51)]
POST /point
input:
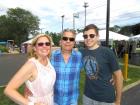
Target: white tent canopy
[(112, 35), (102, 36), (28, 41), (79, 37), (135, 38)]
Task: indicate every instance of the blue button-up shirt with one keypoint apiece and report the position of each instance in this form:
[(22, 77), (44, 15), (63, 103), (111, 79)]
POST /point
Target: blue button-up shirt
[(66, 89)]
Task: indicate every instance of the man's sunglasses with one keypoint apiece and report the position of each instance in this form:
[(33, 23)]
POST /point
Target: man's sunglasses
[(68, 38), (42, 44), (90, 35)]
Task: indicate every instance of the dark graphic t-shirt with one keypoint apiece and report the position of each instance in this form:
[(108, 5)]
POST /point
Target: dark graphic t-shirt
[(99, 65), (90, 66)]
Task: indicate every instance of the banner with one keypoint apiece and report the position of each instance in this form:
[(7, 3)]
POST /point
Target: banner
[(76, 15)]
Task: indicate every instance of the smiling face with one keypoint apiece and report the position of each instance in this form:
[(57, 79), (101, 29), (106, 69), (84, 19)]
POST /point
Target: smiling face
[(68, 41), (42, 47), (91, 38)]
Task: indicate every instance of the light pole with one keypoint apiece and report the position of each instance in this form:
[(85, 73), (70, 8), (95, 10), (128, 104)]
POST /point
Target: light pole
[(41, 30), (62, 21), (85, 6), (73, 21), (107, 22), (75, 15)]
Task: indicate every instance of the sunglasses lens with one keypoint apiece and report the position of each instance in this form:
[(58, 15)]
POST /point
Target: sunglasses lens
[(85, 36), (92, 35), (40, 44), (47, 43), (70, 39), (65, 38)]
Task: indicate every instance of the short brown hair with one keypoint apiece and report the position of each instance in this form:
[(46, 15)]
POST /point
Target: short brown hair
[(91, 26)]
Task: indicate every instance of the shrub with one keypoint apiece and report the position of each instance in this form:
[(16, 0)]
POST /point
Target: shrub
[(3, 49)]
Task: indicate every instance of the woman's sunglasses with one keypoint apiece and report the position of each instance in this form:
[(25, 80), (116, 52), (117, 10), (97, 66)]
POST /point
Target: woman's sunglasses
[(42, 44), (90, 35), (68, 38)]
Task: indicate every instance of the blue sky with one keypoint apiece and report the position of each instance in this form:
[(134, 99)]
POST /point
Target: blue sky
[(122, 12)]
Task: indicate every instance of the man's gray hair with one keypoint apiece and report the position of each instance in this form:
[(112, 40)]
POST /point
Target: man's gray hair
[(69, 30)]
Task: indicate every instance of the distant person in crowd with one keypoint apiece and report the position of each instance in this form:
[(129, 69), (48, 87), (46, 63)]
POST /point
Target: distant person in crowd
[(22, 49), (100, 64), (130, 50), (121, 50), (37, 73)]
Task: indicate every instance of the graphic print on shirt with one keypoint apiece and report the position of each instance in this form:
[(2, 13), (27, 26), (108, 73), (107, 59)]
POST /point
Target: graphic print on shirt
[(91, 67)]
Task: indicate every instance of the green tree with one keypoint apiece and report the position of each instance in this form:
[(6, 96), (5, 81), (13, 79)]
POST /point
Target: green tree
[(18, 24), (136, 29), (115, 28), (127, 30), (55, 37), (3, 27)]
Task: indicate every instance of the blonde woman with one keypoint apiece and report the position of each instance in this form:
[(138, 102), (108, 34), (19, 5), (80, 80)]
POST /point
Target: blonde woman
[(37, 73)]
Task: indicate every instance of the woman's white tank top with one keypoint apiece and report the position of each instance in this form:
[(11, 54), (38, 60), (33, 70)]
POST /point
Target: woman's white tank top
[(42, 86)]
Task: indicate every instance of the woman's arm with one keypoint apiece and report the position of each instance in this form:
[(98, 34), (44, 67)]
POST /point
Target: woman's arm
[(23, 74)]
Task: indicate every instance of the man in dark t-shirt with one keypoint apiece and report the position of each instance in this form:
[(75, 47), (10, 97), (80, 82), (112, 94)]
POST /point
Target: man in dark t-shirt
[(100, 64)]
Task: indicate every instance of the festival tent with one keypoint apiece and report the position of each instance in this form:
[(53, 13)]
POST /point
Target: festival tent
[(28, 41), (112, 35), (79, 37), (102, 37), (135, 38)]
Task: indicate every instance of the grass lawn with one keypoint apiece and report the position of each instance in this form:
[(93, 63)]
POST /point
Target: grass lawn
[(4, 100), (138, 50), (133, 75)]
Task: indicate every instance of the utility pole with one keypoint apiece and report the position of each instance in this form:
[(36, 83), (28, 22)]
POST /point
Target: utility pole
[(62, 21), (41, 30), (107, 22), (75, 15), (85, 6), (73, 21)]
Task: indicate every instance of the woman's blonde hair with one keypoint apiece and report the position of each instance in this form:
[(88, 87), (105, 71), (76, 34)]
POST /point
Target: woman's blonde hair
[(31, 52)]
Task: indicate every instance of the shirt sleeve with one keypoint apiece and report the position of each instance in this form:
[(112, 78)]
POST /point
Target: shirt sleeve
[(113, 61)]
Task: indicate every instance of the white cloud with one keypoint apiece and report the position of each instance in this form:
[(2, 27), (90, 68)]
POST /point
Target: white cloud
[(50, 12)]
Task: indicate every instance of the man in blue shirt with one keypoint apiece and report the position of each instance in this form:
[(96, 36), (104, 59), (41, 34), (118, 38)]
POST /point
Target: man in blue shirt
[(67, 63)]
